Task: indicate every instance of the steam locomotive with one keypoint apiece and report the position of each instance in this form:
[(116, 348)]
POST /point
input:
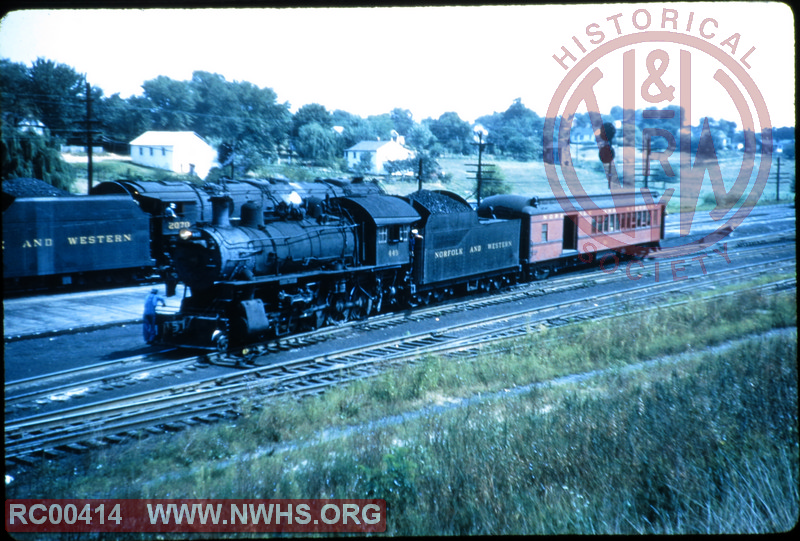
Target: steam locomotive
[(314, 261)]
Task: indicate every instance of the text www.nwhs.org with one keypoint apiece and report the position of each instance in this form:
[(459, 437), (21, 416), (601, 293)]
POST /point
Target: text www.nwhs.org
[(330, 513)]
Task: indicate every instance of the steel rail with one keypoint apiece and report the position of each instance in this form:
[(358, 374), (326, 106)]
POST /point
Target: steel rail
[(96, 384)]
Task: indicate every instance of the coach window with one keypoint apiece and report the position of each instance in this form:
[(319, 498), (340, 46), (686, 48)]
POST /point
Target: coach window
[(594, 224), (649, 214), (605, 224), (383, 235), (544, 232)]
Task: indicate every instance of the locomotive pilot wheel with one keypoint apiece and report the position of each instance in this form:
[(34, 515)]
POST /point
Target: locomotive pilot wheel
[(220, 341)]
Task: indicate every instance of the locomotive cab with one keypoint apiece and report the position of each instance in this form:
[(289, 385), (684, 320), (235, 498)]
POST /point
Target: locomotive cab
[(385, 223)]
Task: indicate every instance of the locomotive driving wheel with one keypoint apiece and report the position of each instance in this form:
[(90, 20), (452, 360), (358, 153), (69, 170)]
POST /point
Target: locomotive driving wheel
[(355, 305), (338, 311), (361, 304)]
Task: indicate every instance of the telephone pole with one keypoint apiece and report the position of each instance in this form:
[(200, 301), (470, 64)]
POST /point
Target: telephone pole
[(90, 122)]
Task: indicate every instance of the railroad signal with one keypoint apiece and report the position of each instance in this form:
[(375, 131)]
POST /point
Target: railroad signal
[(607, 132), (606, 153)]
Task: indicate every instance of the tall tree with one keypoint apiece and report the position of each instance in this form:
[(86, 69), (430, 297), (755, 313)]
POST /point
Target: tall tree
[(515, 132), (318, 143), (308, 114), (124, 119), (26, 154), (380, 126), (46, 92), (246, 122), (402, 120), (174, 103), (57, 96), (420, 137), (455, 134), (15, 102)]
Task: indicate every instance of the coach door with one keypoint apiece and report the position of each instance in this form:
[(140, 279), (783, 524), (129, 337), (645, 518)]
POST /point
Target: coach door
[(570, 232)]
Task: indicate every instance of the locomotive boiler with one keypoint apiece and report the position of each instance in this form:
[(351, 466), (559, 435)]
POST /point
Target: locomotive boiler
[(220, 252)]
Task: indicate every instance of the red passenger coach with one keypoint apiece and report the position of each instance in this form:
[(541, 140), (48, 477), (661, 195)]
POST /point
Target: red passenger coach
[(627, 223)]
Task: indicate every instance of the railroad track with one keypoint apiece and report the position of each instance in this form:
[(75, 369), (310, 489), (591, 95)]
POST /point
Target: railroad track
[(84, 427), (82, 381)]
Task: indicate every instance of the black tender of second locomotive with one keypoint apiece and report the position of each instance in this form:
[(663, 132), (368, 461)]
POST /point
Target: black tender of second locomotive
[(51, 242)]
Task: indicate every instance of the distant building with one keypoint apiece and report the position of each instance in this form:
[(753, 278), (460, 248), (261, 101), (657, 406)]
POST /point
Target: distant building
[(182, 152), (379, 153), (32, 124)]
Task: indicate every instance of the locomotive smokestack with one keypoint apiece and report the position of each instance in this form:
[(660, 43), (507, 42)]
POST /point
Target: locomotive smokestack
[(220, 210)]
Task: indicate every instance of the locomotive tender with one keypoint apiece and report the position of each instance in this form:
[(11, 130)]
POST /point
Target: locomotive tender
[(58, 241), (321, 262)]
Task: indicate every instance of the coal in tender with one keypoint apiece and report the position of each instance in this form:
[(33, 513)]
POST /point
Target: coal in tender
[(437, 203), (31, 187)]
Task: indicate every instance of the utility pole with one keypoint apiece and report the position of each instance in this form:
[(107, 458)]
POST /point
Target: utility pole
[(89, 133), (479, 133), (646, 161), (480, 155), (778, 182)]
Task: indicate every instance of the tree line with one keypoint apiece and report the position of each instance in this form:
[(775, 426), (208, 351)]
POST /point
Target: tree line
[(247, 124)]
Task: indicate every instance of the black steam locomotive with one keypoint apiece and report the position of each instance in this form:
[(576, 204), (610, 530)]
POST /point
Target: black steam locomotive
[(322, 262)]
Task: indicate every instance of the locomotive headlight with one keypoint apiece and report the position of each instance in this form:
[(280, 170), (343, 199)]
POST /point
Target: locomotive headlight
[(185, 234)]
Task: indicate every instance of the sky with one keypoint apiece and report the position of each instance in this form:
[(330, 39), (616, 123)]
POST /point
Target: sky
[(429, 60)]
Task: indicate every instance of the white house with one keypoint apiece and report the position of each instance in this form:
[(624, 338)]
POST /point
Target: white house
[(379, 152), (32, 124), (179, 151)]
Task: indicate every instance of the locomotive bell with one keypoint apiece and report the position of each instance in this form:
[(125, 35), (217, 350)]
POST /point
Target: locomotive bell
[(252, 215)]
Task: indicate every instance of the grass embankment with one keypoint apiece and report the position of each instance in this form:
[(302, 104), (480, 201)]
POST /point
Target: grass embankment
[(706, 442)]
